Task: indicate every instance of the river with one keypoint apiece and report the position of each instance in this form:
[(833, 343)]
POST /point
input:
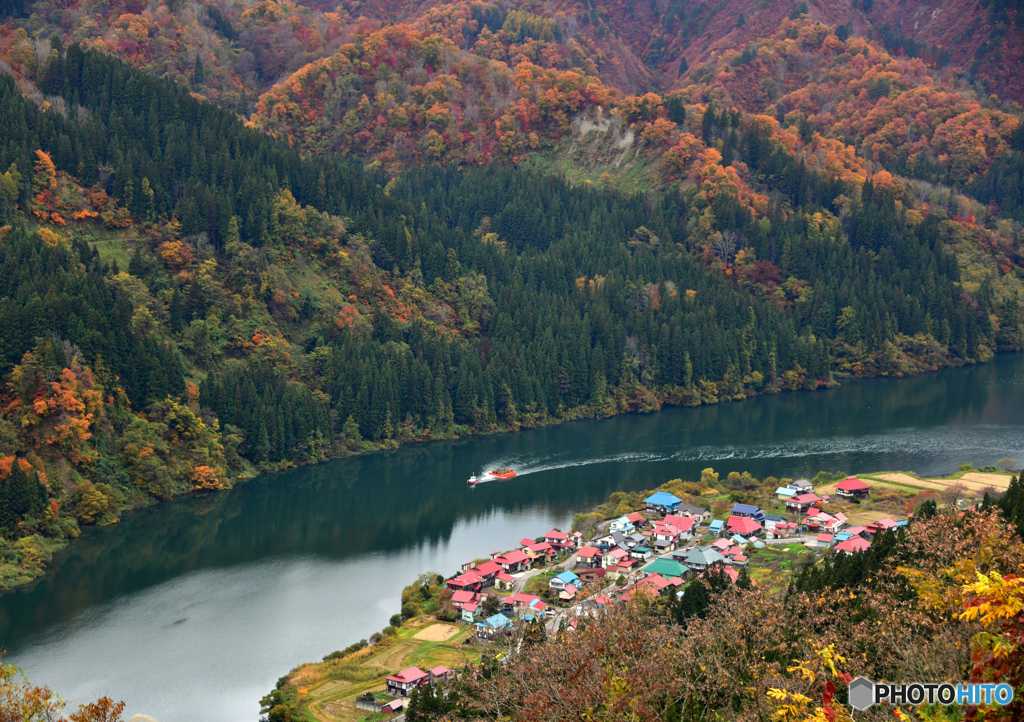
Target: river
[(193, 609)]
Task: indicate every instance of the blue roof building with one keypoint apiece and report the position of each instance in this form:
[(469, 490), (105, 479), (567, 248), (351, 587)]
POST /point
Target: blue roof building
[(662, 502), (716, 526), (561, 581), (748, 510)]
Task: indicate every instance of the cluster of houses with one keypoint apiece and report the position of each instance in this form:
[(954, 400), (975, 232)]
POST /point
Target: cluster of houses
[(666, 532)]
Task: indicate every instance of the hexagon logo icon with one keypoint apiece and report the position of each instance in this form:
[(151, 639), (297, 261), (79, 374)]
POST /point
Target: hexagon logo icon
[(862, 693)]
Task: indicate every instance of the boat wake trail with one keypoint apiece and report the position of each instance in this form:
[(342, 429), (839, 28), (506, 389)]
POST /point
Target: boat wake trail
[(973, 443)]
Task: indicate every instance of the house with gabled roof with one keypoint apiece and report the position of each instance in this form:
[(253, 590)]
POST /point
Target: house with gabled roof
[(744, 526), (699, 513), (504, 581), (666, 567), (853, 545), (801, 503), (637, 519), (748, 510), (595, 574), (824, 541), (402, 684), (493, 626), (613, 556), (661, 502), (717, 526), (621, 524), (700, 558), (487, 570), (513, 561), (561, 581), (557, 539), (588, 556), (469, 580), (882, 525), (471, 612), (462, 597), (852, 488)]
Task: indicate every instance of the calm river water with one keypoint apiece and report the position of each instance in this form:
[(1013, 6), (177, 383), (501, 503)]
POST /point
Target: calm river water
[(192, 610)]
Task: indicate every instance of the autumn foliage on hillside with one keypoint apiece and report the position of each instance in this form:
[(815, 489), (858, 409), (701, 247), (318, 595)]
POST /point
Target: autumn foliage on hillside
[(888, 108)]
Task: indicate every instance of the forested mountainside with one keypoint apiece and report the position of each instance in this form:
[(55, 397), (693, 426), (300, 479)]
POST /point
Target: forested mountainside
[(230, 50), (191, 295)]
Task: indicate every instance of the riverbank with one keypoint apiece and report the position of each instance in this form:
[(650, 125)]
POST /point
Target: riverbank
[(28, 560)]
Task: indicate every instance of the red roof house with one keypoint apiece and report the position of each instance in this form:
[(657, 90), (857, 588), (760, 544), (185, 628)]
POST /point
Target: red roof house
[(403, 683), (852, 488), (745, 526), (853, 545)]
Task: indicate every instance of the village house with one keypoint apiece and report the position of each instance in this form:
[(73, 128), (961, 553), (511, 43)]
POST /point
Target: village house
[(699, 513), (822, 522), (635, 540), (487, 571), (743, 526), (661, 502), (638, 520), (640, 553), (853, 545), (748, 510), (666, 567), (409, 679), (560, 581), (613, 556), (621, 524), (471, 612), (493, 626), (568, 593), (537, 550), (731, 573), (513, 561), (504, 581), (558, 539), (824, 541), (461, 597), (665, 537), (801, 503), (625, 566), (521, 602), (852, 488), (882, 525), (441, 675), (652, 585), (780, 529), (587, 557), (468, 581), (686, 525), (717, 526), (700, 558), (591, 575)]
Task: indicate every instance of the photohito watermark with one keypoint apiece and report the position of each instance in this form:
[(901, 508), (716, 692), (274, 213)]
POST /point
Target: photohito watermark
[(864, 693)]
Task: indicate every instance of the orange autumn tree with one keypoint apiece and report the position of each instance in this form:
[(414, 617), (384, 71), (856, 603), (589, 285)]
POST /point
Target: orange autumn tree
[(21, 701), (60, 413)]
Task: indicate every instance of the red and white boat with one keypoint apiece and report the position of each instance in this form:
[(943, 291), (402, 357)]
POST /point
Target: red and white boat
[(473, 480)]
